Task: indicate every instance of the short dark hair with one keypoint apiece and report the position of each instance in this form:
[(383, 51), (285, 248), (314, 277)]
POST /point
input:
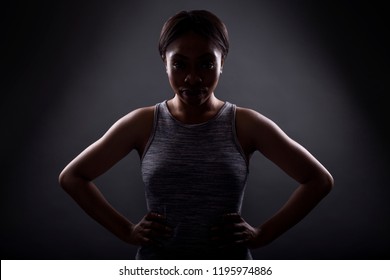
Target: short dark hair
[(201, 22)]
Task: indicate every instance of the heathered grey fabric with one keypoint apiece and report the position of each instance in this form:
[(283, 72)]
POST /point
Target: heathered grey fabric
[(193, 174)]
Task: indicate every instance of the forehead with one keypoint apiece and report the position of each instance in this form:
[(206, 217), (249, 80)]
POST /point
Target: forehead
[(192, 45)]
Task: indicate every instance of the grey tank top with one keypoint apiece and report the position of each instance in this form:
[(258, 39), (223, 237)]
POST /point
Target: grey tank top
[(193, 174)]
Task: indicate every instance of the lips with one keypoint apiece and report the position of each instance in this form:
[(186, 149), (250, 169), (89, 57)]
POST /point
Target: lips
[(193, 91)]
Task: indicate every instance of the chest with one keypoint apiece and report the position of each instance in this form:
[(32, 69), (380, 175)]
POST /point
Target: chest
[(194, 155)]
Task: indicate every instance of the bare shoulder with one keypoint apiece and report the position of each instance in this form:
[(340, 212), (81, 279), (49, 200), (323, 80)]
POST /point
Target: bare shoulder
[(129, 132), (248, 118), (260, 133), (255, 130), (135, 127), (137, 117)]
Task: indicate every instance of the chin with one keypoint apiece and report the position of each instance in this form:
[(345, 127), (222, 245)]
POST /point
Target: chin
[(195, 99)]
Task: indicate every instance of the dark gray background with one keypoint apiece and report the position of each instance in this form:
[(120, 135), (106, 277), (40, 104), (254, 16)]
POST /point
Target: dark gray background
[(316, 68)]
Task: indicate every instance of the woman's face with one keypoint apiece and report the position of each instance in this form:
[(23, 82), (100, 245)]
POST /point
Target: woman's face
[(193, 66)]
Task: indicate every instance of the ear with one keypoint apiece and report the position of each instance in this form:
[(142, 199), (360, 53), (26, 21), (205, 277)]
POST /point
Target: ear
[(222, 62), (165, 64)]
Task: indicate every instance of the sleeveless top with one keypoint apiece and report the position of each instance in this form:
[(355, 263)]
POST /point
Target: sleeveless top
[(193, 174)]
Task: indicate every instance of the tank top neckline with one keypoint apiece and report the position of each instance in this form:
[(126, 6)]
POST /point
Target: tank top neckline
[(212, 119)]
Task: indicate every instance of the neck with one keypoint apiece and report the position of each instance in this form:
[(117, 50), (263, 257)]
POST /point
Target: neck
[(192, 114)]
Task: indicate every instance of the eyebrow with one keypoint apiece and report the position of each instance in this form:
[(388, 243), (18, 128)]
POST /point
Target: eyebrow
[(205, 55)]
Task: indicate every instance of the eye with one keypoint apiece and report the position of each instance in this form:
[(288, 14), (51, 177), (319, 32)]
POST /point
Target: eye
[(177, 65), (209, 65)]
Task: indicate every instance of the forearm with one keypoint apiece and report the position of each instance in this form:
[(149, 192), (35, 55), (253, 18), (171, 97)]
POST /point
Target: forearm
[(300, 203), (91, 200)]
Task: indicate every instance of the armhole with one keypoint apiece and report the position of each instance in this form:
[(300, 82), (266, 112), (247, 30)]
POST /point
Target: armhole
[(153, 132), (235, 138)]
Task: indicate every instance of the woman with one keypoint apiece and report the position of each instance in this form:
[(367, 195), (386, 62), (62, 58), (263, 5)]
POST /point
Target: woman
[(195, 150)]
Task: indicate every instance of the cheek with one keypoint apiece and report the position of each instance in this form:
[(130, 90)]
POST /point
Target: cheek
[(175, 79), (211, 78)]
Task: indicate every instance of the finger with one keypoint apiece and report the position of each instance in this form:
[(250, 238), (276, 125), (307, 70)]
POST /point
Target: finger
[(160, 229), (230, 231), (156, 232), (232, 218), (223, 231), (154, 216), (234, 240), (150, 242), (150, 237), (229, 243), (240, 236), (157, 223)]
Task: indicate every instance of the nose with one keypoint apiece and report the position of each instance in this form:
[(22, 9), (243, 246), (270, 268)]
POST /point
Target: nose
[(193, 78)]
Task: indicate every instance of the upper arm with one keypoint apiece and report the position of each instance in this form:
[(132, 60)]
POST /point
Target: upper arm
[(260, 133), (130, 132)]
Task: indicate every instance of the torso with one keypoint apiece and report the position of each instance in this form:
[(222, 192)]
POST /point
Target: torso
[(243, 135), (193, 174)]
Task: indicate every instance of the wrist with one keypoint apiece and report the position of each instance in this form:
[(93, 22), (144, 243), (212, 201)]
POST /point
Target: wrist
[(126, 233), (265, 236)]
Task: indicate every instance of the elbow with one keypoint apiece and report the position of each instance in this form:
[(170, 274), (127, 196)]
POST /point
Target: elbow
[(326, 183), (66, 180), (63, 179), (321, 183), (70, 181)]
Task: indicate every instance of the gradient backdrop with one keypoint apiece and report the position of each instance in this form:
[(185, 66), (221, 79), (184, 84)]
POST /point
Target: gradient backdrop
[(318, 69)]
